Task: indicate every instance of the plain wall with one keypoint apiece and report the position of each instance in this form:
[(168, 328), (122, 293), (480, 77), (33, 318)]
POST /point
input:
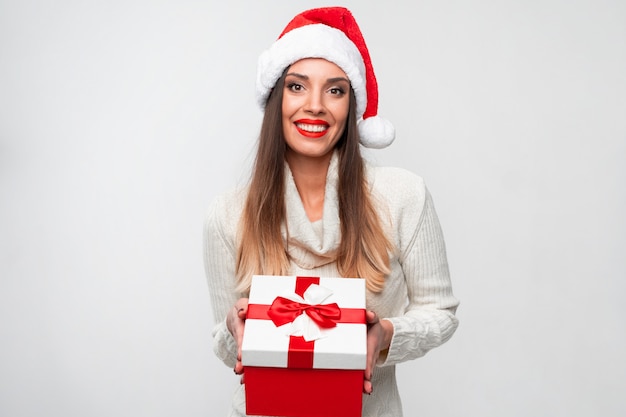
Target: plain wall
[(121, 120)]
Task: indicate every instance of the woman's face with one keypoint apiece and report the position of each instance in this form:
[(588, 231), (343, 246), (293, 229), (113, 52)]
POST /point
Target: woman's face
[(315, 107)]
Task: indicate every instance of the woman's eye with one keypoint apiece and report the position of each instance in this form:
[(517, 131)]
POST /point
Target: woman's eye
[(337, 91), (294, 87)]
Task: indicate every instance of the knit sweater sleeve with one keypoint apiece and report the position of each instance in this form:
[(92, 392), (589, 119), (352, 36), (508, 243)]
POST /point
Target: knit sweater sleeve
[(429, 316), (219, 265)]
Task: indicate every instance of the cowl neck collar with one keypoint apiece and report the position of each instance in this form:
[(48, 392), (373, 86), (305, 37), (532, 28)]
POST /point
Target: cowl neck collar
[(309, 245)]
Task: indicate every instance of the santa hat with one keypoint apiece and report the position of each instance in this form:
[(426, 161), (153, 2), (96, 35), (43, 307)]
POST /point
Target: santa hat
[(333, 34)]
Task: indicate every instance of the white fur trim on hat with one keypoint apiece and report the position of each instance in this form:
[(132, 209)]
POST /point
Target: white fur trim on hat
[(312, 41)]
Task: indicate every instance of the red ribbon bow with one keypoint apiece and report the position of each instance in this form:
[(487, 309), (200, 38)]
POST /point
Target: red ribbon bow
[(284, 310)]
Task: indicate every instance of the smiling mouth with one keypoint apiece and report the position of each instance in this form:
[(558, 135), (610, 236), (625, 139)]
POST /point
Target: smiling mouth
[(313, 129)]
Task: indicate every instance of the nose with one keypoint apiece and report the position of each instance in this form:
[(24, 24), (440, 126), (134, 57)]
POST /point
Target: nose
[(315, 103)]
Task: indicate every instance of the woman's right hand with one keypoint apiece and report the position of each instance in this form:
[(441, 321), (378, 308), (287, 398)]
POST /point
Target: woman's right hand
[(235, 322)]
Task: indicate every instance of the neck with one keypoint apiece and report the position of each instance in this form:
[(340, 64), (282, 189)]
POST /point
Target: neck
[(309, 175)]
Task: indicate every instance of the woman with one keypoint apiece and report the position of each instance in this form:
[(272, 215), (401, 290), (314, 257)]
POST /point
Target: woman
[(314, 207)]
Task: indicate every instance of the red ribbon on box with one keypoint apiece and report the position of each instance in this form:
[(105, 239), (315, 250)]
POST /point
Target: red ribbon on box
[(283, 311)]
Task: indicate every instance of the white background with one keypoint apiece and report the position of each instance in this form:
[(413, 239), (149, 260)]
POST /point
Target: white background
[(121, 120)]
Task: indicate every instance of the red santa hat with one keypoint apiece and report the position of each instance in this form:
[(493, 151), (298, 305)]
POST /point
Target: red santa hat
[(333, 34)]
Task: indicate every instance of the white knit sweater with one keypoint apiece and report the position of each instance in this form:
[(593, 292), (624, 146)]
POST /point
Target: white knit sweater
[(417, 298)]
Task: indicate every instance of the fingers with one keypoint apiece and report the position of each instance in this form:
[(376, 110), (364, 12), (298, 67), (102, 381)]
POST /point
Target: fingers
[(373, 350), (241, 307), (240, 310), (238, 368), (239, 371), (372, 353), (371, 317), (239, 338), (368, 388), (237, 316)]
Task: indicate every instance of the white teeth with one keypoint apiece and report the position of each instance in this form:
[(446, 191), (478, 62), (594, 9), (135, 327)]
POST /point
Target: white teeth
[(311, 128)]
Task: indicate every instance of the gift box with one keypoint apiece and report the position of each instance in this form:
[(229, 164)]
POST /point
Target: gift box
[(304, 346)]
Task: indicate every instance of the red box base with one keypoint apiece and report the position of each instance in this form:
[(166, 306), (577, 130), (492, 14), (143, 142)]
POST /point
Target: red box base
[(303, 392)]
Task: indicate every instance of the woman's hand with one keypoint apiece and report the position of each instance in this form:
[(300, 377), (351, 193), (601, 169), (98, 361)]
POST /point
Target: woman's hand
[(235, 322), (379, 334)]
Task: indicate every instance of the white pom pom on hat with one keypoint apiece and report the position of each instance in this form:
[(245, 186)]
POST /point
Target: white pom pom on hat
[(333, 34)]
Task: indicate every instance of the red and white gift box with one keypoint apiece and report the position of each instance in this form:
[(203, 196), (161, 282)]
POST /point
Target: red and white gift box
[(304, 346)]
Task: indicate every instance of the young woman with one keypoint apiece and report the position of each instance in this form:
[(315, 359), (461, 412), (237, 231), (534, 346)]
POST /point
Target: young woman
[(315, 207)]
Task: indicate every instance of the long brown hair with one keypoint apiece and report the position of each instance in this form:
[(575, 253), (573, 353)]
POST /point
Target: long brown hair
[(364, 248)]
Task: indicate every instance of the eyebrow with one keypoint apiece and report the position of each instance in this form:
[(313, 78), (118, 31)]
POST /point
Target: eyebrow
[(330, 80)]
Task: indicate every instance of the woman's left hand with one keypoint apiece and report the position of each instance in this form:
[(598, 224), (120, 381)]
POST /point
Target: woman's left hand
[(379, 334)]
